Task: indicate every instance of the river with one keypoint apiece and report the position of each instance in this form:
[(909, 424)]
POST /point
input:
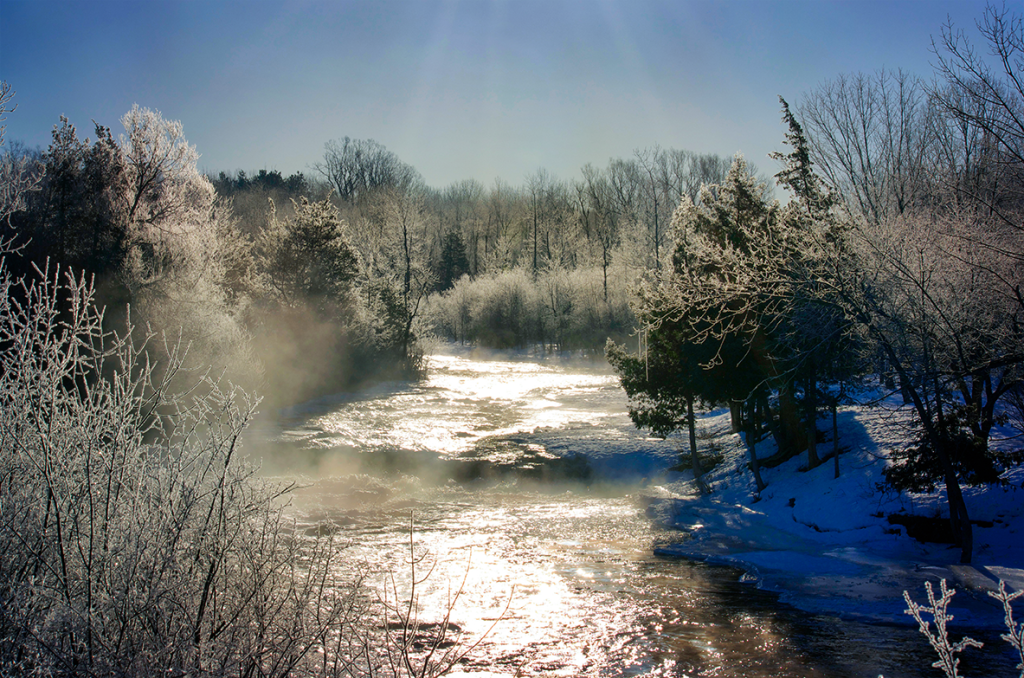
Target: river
[(547, 556)]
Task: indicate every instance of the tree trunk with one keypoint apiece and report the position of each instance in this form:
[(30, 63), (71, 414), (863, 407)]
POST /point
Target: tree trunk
[(770, 422), (736, 415), (604, 270), (835, 437), (959, 520), (657, 237), (698, 474), (790, 432), (535, 238), (753, 430), (812, 419)]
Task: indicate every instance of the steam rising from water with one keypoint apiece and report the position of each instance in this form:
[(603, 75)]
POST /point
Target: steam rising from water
[(462, 402), (460, 410)]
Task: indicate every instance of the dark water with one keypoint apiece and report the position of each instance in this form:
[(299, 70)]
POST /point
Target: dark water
[(551, 567)]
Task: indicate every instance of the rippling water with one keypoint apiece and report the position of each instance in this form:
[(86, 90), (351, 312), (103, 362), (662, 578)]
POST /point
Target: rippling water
[(553, 573)]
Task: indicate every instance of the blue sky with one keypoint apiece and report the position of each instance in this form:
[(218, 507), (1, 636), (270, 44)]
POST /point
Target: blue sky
[(459, 89)]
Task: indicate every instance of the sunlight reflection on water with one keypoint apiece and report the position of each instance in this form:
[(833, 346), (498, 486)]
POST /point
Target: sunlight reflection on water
[(478, 399), (574, 567), (584, 595)]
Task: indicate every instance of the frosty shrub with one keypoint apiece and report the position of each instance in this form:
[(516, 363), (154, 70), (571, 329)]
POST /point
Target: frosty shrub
[(505, 312), (946, 649), (558, 299), (450, 312), (136, 541), (566, 309), (598, 313)]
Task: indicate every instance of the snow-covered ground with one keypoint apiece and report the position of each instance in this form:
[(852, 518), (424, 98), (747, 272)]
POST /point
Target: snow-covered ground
[(823, 543)]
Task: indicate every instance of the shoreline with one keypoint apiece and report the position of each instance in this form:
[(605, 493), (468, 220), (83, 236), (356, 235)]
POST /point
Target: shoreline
[(825, 545)]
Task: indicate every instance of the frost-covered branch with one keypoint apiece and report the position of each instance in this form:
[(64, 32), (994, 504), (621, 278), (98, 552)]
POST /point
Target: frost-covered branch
[(18, 176), (939, 639), (946, 649), (1015, 630)]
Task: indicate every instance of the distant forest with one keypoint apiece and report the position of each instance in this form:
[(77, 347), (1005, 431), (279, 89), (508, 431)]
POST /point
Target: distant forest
[(307, 284)]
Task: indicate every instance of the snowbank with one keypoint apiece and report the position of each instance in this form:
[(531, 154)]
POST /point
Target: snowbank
[(825, 544)]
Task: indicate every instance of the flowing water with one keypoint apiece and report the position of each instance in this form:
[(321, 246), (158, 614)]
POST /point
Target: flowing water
[(538, 553)]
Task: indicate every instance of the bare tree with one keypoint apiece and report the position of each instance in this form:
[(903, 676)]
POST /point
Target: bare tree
[(550, 226), (658, 204), (461, 208), (942, 308), (538, 187), (939, 312), (704, 169), (18, 175), (164, 185), (598, 218), (626, 185), (505, 233), (357, 167), (872, 137), (984, 97), (931, 268)]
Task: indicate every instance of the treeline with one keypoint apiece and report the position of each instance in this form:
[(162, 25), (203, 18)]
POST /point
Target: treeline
[(553, 262), (549, 262), (308, 284), (899, 256)]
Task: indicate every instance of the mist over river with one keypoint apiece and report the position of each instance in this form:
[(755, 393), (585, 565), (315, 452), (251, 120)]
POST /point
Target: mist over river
[(520, 482)]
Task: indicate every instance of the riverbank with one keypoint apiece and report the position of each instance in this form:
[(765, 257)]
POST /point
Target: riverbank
[(826, 544)]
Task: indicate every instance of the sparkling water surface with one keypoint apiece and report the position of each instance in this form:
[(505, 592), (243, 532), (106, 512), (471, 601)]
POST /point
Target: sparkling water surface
[(550, 569)]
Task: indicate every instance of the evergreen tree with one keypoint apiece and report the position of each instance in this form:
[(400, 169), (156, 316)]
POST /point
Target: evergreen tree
[(815, 338), (453, 262), (306, 259), (77, 218), (725, 258), (705, 332)]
